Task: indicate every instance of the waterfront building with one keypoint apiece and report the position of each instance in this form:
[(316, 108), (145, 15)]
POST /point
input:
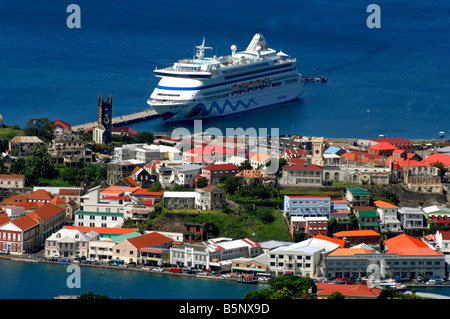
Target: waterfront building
[(400, 143), (19, 236), (131, 249), (69, 243), (209, 255), (411, 218), (355, 237), (250, 266), (350, 263), (12, 181), (296, 259), (409, 257), (307, 206), (303, 258)]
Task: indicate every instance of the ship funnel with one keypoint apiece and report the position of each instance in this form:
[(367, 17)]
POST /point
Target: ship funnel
[(258, 40)]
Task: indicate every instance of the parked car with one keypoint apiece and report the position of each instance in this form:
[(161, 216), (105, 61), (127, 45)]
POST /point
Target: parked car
[(76, 261), (123, 266), (431, 282), (176, 270), (202, 273), (87, 262), (157, 269), (146, 268), (226, 275), (40, 258), (98, 263), (65, 260), (54, 259), (132, 263), (4, 252)]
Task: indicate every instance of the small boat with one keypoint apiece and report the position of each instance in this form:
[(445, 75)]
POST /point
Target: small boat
[(248, 280)]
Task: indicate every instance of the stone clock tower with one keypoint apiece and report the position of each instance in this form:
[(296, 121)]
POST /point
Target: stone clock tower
[(317, 151), (105, 118)]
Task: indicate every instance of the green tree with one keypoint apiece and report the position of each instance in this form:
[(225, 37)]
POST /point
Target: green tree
[(38, 165), (336, 295), (232, 184), (245, 165), (258, 294), (91, 295), (144, 137), (202, 182), (42, 128)]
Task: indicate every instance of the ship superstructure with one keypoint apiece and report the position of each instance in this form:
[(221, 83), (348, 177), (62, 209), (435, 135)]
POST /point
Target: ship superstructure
[(205, 87)]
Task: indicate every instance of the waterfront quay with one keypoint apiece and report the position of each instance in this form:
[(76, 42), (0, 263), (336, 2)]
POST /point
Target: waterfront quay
[(122, 119)]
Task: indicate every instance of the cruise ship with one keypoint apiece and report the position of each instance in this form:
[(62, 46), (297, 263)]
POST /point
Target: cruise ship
[(206, 87)]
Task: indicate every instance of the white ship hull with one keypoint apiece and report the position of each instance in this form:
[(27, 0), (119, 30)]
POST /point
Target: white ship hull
[(228, 105)]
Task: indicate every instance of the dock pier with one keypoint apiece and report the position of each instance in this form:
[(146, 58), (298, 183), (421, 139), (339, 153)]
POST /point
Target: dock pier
[(122, 120)]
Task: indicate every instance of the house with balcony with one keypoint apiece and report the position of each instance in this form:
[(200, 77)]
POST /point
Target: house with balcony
[(411, 218), (387, 214), (302, 174)]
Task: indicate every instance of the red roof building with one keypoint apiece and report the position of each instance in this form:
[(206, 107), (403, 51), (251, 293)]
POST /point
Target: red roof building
[(20, 235), (213, 172), (348, 291)]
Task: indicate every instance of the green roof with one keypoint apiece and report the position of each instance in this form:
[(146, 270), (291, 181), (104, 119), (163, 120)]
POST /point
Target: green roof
[(358, 191), (369, 224), (367, 213), (119, 238)]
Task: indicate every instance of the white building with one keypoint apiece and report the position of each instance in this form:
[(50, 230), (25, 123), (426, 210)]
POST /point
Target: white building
[(303, 258), (93, 201), (411, 217), (69, 243), (387, 214), (185, 174), (307, 206)]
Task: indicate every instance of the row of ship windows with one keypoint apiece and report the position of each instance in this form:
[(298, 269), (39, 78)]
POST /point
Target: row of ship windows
[(258, 71)]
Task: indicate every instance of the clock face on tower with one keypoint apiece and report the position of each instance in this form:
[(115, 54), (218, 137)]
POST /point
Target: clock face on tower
[(106, 116)]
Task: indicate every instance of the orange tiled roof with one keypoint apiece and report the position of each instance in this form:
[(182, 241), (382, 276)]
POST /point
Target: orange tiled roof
[(347, 290), (338, 241), (11, 176), (350, 252), (45, 212), (404, 241), (24, 222), (57, 200), (149, 240), (351, 233), (383, 204)]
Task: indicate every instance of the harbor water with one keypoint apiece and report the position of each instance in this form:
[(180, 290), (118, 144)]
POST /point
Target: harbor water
[(32, 280), (399, 71)]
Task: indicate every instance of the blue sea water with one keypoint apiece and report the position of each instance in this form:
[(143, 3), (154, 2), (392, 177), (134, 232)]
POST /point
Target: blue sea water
[(399, 71), (29, 280)]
